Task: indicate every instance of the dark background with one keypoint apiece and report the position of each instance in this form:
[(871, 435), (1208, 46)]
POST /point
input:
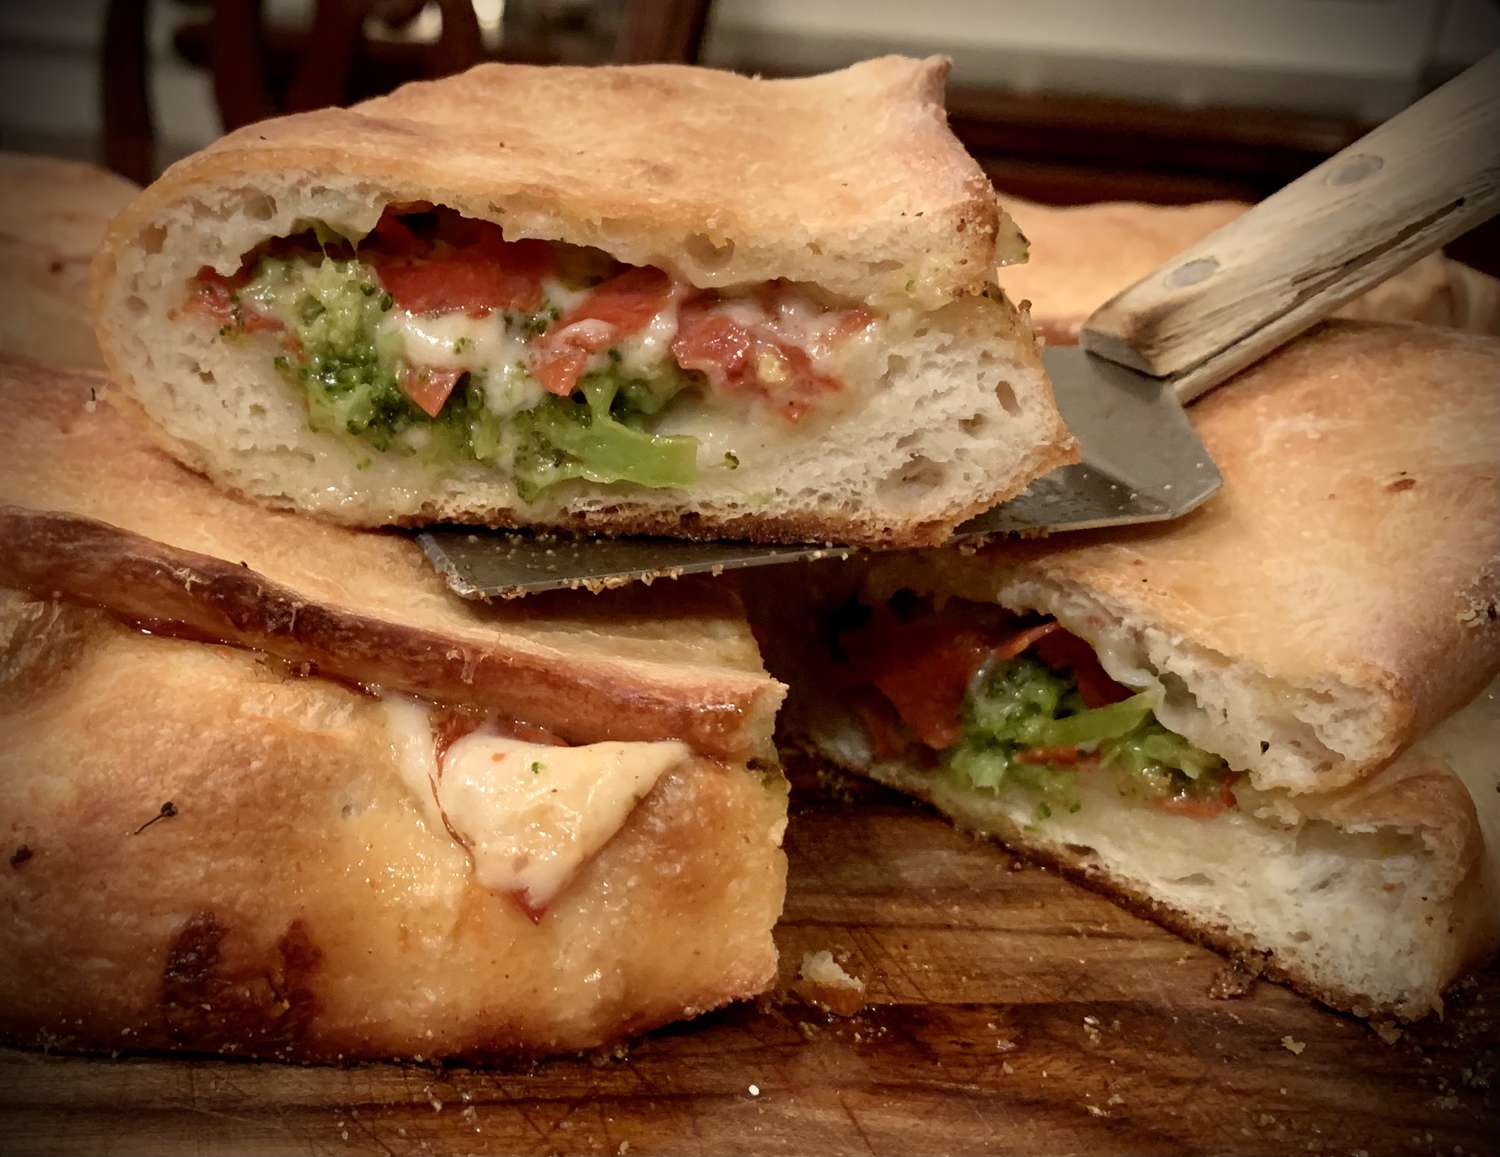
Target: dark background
[(1062, 101)]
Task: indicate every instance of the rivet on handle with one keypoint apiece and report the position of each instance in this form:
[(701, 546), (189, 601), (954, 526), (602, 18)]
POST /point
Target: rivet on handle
[(1192, 273), (1356, 169)]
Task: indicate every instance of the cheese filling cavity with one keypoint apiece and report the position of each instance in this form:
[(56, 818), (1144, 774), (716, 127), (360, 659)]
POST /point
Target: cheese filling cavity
[(531, 815), (1000, 702), (436, 336)]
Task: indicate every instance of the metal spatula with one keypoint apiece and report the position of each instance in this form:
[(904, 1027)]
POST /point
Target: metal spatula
[(1421, 179)]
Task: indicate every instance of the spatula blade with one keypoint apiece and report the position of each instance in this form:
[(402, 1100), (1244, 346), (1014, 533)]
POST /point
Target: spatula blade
[(1142, 459), (1142, 462), (482, 564)]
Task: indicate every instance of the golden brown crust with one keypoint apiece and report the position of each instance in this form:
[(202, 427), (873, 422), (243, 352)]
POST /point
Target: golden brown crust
[(53, 217), (94, 513), (1413, 794), (1353, 549), (856, 182), (292, 903), (703, 173), (1233, 943), (1461, 922)]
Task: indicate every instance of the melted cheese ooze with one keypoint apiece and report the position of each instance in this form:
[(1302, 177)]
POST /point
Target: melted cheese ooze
[(531, 815)]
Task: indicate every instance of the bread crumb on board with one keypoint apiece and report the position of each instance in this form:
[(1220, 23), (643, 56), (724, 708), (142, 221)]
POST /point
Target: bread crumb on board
[(1292, 1045), (1386, 1030), (822, 981)]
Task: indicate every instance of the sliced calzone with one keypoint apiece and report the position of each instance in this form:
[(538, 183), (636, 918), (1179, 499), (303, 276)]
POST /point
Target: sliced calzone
[(651, 299), (1202, 718), (268, 788)]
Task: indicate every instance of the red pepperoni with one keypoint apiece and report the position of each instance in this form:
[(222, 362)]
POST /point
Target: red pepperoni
[(213, 293), (616, 309), (737, 357), (1199, 807), (467, 267), (1065, 651)]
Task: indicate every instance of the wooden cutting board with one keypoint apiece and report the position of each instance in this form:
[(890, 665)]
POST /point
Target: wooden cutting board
[(1009, 1012)]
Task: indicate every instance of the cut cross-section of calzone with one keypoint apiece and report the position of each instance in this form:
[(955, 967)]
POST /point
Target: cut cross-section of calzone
[(650, 299), (320, 808), (1243, 722)]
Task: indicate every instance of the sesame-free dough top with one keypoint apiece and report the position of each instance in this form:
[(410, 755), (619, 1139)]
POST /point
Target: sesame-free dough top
[(1337, 598), (851, 180)]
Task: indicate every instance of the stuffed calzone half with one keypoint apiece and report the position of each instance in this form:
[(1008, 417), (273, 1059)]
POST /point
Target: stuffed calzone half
[(268, 788), (649, 299), (1205, 719)]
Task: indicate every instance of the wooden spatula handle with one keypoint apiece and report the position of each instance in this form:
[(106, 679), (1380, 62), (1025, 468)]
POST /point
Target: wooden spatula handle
[(1419, 180)]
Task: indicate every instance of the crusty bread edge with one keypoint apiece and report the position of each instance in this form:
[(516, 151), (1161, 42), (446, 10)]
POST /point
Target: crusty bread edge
[(364, 140), (721, 714), (1210, 934)]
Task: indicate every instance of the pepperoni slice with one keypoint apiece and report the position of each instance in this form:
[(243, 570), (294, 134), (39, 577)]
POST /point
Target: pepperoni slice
[(1200, 807), (738, 357), (468, 266), (474, 280), (1065, 651), (213, 294), (616, 309)]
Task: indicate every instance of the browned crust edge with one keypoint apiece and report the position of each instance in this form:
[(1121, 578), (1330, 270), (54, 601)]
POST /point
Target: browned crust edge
[(160, 587), (146, 1042), (265, 1013), (1218, 937)]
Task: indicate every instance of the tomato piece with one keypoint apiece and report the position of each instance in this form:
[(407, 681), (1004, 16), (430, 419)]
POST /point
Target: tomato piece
[(713, 344), (1057, 756), (886, 739), (467, 266), (848, 323), (1023, 641), (734, 356), (922, 667), (392, 236), (1066, 651), (559, 374), (621, 306), (627, 302), (928, 687), (474, 280), (213, 294), (428, 386), (1200, 807), (927, 670)]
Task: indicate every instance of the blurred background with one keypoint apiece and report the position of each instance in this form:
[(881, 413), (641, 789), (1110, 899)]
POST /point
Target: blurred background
[(1062, 101)]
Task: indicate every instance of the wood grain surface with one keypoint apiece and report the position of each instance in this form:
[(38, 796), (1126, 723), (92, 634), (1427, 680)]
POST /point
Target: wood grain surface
[(1009, 1012)]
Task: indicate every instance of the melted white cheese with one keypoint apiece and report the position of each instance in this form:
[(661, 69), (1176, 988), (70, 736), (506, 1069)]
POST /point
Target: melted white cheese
[(530, 815), (486, 346), (409, 728), (853, 359), (533, 815), (455, 340), (642, 352), (501, 356)]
